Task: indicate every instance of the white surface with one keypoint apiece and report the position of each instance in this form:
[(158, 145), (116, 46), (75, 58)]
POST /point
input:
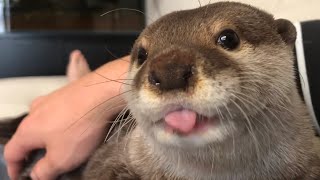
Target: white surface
[(16, 94), (2, 27), (294, 10)]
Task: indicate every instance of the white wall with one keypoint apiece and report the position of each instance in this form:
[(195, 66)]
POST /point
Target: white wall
[(294, 10), (2, 25)]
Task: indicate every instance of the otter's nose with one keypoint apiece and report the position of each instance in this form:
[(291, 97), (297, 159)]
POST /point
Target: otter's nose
[(171, 71), (170, 79)]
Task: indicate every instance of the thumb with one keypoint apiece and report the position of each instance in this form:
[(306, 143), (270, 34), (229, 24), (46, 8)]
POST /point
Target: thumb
[(45, 169)]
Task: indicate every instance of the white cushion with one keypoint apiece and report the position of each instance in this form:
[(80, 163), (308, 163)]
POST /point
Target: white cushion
[(16, 94)]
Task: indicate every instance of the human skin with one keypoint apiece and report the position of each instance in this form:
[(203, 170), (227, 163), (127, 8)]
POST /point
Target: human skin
[(69, 123)]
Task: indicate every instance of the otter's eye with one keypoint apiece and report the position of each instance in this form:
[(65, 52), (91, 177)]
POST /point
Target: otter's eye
[(228, 39), (142, 55)]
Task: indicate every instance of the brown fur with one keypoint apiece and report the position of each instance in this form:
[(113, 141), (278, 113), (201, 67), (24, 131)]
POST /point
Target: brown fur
[(265, 129), (279, 141)]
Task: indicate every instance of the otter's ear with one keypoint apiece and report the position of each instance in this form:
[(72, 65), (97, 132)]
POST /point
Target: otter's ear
[(287, 31)]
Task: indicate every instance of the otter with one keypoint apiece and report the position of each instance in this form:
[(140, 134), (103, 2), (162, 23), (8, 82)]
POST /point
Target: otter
[(212, 95)]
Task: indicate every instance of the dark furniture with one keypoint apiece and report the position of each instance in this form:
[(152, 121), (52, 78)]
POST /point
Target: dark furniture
[(311, 43), (46, 53)]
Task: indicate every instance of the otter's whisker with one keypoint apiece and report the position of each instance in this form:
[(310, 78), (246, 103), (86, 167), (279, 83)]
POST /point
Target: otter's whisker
[(262, 105), (280, 95), (258, 120), (238, 95), (122, 123), (250, 130), (269, 78), (120, 9), (212, 161), (103, 82), (127, 9), (100, 104), (118, 130), (221, 117), (114, 56), (115, 122), (127, 121), (265, 75), (110, 79), (229, 121), (95, 120), (132, 125)]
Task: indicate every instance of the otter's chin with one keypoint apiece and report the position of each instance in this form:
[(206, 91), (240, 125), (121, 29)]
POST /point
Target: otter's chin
[(186, 128)]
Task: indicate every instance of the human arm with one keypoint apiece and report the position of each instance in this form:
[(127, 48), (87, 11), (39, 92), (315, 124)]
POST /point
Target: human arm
[(69, 123)]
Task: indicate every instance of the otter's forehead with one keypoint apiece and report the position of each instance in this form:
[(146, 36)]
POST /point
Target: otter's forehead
[(201, 24)]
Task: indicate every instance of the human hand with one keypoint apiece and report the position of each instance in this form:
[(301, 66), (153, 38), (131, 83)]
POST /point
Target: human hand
[(69, 123)]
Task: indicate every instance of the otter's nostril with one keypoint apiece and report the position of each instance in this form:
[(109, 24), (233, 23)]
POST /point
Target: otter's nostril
[(187, 74), (153, 79)]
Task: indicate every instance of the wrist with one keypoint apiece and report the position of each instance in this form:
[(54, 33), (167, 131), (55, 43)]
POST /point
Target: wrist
[(101, 89)]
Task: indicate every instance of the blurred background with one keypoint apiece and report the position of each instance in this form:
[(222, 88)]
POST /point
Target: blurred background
[(70, 15)]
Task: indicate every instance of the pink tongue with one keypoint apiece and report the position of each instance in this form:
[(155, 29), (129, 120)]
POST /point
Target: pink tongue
[(182, 121)]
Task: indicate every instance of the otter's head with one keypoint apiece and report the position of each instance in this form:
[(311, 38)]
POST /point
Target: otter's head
[(200, 76)]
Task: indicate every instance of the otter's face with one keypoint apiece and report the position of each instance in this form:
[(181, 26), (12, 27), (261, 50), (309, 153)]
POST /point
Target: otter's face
[(200, 76)]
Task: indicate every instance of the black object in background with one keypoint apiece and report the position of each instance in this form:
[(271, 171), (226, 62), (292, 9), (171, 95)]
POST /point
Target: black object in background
[(311, 44), (73, 15), (46, 53)]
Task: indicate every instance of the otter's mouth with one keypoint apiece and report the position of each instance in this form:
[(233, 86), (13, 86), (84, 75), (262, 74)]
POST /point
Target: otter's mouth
[(187, 122)]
